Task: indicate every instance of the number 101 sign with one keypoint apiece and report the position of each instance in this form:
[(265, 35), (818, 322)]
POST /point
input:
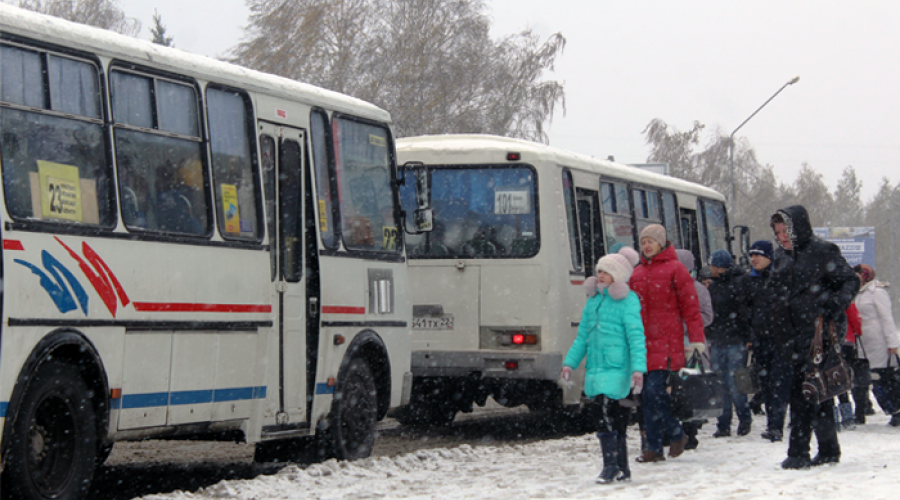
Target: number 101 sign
[(512, 202)]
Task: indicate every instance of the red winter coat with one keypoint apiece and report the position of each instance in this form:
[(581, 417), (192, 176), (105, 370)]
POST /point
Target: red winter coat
[(668, 303), (854, 324)]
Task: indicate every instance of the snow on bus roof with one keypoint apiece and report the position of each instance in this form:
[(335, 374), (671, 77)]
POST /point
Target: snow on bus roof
[(48, 29), (457, 143)]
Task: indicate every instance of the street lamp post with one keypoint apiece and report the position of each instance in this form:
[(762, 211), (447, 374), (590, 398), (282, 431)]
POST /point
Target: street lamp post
[(731, 146)]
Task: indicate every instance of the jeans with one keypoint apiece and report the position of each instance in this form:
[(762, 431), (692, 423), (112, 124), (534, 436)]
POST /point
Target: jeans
[(658, 419), (725, 360)]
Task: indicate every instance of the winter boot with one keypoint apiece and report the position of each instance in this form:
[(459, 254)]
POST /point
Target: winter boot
[(609, 444), (624, 470), (848, 421)]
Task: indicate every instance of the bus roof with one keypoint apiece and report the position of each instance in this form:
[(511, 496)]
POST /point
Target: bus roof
[(53, 30), (460, 147)]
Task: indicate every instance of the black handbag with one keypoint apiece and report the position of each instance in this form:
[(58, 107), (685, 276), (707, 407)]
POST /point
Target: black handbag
[(862, 376), (746, 378), (697, 391), (886, 386), (828, 376)]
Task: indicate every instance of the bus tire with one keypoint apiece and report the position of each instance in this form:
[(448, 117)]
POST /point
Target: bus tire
[(52, 451), (353, 413)]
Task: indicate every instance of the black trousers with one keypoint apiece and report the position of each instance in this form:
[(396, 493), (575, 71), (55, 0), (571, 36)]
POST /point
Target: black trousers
[(609, 415), (808, 417)]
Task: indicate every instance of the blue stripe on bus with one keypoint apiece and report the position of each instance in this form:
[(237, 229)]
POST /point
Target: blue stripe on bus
[(324, 389), (131, 401)]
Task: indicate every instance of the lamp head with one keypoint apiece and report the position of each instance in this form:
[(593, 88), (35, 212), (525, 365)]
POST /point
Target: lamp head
[(794, 80)]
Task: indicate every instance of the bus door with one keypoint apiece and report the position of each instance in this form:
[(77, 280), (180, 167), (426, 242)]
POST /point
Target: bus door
[(590, 229), (690, 235), (283, 165)]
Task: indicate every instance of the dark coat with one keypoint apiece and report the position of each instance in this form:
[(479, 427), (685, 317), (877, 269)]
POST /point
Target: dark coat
[(811, 280), (668, 303), (731, 305)]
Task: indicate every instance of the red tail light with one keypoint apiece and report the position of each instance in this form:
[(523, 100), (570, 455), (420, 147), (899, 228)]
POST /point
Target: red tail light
[(511, 365)]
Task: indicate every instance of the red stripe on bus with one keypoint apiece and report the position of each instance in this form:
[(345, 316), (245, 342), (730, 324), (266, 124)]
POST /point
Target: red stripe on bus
[(575, 282), (188, 307), (12, 245), (343, 310)]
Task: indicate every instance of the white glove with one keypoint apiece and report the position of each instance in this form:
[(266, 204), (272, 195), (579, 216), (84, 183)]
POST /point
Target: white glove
[(700, 347), (637, 382), (565, 378)]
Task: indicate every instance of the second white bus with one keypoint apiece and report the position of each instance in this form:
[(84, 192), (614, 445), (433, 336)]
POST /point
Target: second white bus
[(497, 285)]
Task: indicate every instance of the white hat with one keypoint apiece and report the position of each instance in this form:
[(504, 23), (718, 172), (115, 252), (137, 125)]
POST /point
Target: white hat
[(619, 265)]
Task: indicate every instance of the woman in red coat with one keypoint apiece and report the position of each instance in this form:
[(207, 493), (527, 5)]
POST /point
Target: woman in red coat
[(668, 303)]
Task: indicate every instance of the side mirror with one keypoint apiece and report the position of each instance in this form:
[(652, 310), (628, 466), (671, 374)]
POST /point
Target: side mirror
[(423, 220), (423, 188)]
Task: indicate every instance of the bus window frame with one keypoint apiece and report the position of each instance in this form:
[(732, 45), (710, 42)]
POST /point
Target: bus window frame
[(631, 215), (203, 139), (395, 193), (112, 199), (487, 166), (331, 169), (572, 222), (253, 143), (662, 206)]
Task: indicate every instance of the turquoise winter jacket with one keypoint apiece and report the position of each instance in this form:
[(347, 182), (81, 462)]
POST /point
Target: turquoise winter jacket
[(611, 335)]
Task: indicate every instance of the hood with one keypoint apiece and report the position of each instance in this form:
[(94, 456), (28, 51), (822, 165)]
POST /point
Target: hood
[(667, 253), (686, 258), (730, 273), (796, 219)]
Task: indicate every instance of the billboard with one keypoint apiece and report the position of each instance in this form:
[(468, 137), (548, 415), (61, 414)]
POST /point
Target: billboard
[(857, 244)]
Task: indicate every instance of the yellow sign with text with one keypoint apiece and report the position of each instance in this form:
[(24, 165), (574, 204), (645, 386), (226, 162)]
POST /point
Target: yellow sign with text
[(60, 191), (230, 209)]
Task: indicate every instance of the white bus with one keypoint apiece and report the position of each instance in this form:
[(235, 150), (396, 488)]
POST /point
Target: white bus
[(189, 248), (497, 285)]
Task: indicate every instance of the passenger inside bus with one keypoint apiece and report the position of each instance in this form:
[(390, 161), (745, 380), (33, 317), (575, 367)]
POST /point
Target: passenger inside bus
[(174, 210)]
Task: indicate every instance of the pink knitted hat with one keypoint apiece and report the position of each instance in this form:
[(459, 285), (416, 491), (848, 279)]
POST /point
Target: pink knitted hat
[(657, 232)]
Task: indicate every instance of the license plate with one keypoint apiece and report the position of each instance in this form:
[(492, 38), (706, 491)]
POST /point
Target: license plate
[(432, 323)]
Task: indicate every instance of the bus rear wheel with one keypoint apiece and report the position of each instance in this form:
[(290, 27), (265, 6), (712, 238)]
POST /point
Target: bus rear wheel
[(53, 444), (354, 413)]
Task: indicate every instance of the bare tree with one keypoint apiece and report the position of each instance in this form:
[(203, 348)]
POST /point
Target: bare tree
[(431, 63), (104, 14)]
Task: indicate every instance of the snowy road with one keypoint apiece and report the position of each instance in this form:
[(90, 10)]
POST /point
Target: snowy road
[(727, 468)]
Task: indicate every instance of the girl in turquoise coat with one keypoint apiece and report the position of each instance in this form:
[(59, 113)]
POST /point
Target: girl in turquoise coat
[(611, 337)]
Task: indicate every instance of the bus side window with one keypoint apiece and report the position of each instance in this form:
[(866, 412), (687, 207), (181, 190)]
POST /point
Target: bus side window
[(159, 154), (54, 167), (233, 161)]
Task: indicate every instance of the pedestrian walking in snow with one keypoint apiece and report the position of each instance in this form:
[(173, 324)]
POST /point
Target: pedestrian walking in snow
[(692, 427), (844, 417), (770, 341), (728, 336), (813, 281), (611, 337), (668, 302), (879, 339)]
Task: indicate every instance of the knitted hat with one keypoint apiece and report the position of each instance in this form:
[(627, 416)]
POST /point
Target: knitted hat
[(705, 273), (764, 248), (619, 266), (721, 258), (656, 232)]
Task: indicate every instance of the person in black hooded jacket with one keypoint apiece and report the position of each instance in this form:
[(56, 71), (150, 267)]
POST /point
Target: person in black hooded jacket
[(811, 278)]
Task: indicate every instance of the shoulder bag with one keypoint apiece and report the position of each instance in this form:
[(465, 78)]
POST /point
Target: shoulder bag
[(828, 376)]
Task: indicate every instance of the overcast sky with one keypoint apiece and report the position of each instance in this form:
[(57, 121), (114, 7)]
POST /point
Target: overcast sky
[(716, 62)]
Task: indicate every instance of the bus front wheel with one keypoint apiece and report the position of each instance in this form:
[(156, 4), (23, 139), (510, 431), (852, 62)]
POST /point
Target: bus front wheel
[(354, 413), (53, 444)]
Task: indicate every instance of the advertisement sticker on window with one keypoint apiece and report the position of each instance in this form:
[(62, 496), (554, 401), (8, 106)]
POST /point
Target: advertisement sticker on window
[(230, 208)]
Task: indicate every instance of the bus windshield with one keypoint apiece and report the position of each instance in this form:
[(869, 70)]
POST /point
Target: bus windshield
[(485, 212)]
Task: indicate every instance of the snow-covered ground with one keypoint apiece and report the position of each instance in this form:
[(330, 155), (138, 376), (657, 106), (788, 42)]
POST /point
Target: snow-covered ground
[(726, 468)]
